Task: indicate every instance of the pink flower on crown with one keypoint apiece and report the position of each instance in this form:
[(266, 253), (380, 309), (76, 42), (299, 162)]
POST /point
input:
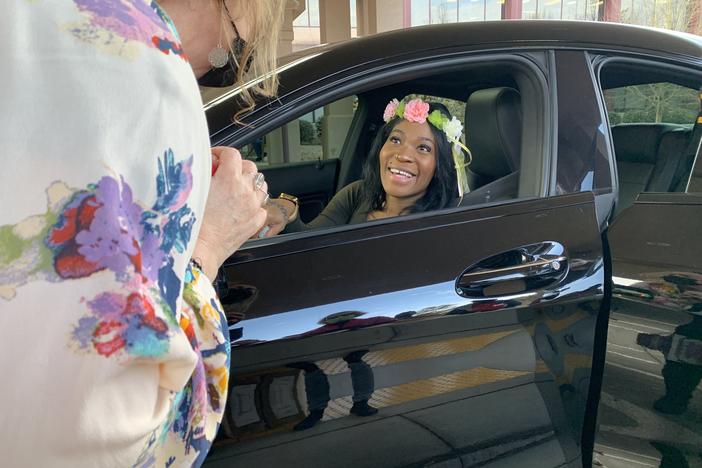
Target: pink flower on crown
[(390, 109), (416, 111)]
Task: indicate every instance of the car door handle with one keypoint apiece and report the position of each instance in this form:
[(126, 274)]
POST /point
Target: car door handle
[(523, 269)]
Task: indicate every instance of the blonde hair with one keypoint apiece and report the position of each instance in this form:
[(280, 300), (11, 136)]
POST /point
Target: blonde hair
[(265, 20)]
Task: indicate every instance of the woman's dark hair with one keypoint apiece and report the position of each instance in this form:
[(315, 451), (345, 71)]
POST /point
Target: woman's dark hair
[(443, 186)]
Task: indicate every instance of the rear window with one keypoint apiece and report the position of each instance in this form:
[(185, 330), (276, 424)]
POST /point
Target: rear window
[(652, 103)]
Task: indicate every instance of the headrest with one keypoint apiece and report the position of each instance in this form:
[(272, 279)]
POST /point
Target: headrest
[(493, 131), (638, 143)]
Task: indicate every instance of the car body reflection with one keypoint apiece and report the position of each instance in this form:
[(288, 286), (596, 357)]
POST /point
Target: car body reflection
[(655, 341), (301, 383)]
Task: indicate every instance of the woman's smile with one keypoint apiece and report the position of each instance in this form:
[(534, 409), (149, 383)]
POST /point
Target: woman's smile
[(401, 176)]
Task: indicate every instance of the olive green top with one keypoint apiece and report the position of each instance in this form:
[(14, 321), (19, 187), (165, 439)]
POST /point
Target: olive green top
[(346, 207)]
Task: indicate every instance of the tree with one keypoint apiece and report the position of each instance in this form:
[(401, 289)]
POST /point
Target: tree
[(443, 13), (676, 15), (307, 133), (657, 102)]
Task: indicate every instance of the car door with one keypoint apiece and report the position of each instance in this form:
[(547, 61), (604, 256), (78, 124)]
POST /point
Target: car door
[(457, 338), (655, 335)]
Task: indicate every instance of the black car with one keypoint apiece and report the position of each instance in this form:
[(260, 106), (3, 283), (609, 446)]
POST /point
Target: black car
[(477, 335)]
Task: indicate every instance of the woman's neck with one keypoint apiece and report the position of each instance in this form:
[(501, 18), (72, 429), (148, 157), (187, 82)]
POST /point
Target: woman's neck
[(199, 27), (395, 206)]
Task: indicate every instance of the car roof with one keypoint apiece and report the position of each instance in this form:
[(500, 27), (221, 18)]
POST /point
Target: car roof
[(519, 32), (417, 41)]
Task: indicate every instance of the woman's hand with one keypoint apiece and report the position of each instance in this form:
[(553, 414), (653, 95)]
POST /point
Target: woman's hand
[(233, 212), (278, 216)]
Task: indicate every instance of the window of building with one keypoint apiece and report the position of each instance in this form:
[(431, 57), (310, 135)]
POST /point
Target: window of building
[(561, 9), (575, 9), (679, 15), (529, 9), (310, 17), (452, 11), (550, 9), (444, 11), (493, 9), (420, 12), (354, 19), (471, 10)]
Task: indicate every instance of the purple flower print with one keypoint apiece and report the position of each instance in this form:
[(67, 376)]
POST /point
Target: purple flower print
[(113, 239), (152, 256), (122, 324), (136, 21)]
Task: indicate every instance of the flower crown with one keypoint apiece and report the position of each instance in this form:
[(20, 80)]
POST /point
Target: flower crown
[(417, 111)]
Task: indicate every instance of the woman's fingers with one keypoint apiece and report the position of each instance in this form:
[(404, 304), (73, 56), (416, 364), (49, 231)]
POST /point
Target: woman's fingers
[(259, 219), (262, 194), (234, 211), (247, 167), (275, 230), (229, 159)]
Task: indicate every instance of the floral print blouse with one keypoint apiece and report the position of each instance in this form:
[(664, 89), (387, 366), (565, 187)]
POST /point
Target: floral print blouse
[(115, 352)]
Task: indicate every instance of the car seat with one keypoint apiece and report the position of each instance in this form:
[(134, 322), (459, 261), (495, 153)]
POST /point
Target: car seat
[(493, 134)]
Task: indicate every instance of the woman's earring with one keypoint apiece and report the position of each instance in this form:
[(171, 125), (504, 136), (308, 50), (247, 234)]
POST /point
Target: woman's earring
[(218, 57), (397, 156)]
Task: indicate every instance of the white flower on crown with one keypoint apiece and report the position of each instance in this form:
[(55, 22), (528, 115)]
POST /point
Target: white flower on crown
[(453, 128)]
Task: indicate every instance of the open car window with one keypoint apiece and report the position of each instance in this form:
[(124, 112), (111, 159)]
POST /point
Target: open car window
[(320, 156), (654, 114)]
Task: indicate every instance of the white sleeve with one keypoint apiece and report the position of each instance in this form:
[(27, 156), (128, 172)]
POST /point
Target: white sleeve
[(115, 351)]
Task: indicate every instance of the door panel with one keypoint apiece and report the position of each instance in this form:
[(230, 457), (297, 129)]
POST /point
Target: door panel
[(312, 182), (355, 348), (655, 334)]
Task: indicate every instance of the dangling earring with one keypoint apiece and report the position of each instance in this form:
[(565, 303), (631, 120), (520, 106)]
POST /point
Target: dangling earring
[(397, 156), (219, 57)]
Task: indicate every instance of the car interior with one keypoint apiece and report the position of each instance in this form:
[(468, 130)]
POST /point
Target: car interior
[(654, 153), (488, 98)]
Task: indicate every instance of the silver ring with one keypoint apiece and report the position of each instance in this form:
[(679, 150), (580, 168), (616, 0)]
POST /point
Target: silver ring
[(263, 232), (258, 181), (265, 199)]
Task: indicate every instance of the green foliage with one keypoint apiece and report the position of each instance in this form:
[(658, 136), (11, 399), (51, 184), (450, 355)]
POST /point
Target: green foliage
[(655, 103), (309, 133)]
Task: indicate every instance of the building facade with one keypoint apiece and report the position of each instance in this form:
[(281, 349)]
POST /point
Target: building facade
[(312, 22)]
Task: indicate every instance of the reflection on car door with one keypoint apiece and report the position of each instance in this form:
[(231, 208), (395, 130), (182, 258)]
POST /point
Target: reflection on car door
[(655, 333), (457, 339)]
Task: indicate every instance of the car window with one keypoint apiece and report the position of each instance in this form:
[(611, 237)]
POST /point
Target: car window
[(315, 136), (344, 138), (652, 103), (654, 128)]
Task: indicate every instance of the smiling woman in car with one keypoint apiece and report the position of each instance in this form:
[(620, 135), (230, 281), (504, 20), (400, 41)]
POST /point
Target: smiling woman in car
[(416, 163)]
